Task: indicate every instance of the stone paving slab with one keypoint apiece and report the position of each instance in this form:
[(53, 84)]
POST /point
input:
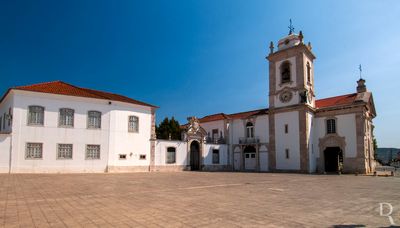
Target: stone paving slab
[(197, 199)]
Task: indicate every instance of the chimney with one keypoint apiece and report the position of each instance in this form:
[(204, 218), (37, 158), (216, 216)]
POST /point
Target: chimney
[(361, 86)]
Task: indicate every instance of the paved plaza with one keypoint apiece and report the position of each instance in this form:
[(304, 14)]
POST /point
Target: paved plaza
[(196, 199)]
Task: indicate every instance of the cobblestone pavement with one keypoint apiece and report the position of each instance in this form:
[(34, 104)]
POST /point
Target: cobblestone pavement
[(196, 199)]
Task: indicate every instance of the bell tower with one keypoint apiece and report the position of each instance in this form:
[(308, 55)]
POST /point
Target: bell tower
[(291, 72), (291, 103)]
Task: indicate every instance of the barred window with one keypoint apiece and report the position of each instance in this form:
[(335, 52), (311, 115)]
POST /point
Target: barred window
[(64, 151), (66, 118), (92, 151), (94, 119), (34, 150), (215, 156), (171, 155), (35, 115), (330, 126), (133, 124)]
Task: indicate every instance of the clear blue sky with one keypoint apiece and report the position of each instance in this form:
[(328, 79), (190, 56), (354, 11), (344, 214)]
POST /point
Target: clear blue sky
[(202, 57)]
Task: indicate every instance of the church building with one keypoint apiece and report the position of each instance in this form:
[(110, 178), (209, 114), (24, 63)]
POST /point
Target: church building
[(298, 133), (58, 127)]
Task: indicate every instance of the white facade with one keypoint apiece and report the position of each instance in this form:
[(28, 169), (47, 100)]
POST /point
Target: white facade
[(113, 137)]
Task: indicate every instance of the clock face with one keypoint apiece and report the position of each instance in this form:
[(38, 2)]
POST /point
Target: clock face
[(286, 96)]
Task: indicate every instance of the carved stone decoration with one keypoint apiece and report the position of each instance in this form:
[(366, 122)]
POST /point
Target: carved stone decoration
[(194, 130)]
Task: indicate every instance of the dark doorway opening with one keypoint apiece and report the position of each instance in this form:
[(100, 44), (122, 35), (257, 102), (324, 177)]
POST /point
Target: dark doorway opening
[(333, 159), (195, 156)]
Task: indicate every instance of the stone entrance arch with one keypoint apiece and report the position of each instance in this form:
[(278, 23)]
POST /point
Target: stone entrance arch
[(195, 152), (330, 141)]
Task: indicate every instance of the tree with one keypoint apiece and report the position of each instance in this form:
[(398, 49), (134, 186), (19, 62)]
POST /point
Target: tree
[(169, 127)]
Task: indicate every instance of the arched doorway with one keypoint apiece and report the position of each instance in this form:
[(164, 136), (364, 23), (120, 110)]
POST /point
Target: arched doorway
[(195, 155), (333, 159), (249, 154)]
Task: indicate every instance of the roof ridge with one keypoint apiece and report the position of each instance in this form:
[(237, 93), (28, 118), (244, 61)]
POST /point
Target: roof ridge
[(336, 96), (35, 84), (248, 111)]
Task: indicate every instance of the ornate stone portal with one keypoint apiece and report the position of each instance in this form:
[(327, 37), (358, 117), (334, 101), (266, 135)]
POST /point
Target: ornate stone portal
[(331, 140), (195, 136)]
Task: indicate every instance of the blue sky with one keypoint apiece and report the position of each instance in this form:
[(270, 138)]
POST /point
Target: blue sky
[(202, 57)]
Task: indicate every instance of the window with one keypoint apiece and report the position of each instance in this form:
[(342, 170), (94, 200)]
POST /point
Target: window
[(171, 155), (133, 124), (35, 115), (215, 156), (64, 151), (286, 128), (94, 120), (215, 134), (92, 151), (122, 156), (287, 153), (34, 151), (285, 72), (308, 72), (142, 157), (330, 126), (249, 130), (66, 117), (1, 122)]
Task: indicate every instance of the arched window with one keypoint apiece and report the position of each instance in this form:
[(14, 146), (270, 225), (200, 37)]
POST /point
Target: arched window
[(285, 72), (171, 155), (249, 130), (66, 117), (308, 72), (35, 115), (330, 126)]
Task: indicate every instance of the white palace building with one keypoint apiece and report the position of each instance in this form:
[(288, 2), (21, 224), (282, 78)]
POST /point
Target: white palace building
[(56, 127)]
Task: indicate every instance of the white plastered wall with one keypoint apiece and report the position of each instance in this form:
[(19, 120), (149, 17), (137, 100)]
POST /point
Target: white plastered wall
[(289, 141), (345, 127), (113, 137)]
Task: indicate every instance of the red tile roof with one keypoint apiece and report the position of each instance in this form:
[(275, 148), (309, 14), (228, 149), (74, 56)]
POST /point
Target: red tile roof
[(214, 117), (62, 88), (347, 99), (336, 101), (222, 116)]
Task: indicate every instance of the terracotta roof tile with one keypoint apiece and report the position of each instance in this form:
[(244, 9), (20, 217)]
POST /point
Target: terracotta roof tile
[(62, 88), (336, 101), (214, 117)]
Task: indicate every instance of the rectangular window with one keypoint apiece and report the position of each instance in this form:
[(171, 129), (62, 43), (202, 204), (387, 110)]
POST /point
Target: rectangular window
[(92, 151), (133, 124), (35, 115), (64, 151), (66, 117), (122, 156), (215, 156), (287, 153), (1, 123), (142, 157), (215, 134), (330, 126), (4, 121), (94, 120), (34, 151), (9, 118), (171, 155), (286, 128)]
